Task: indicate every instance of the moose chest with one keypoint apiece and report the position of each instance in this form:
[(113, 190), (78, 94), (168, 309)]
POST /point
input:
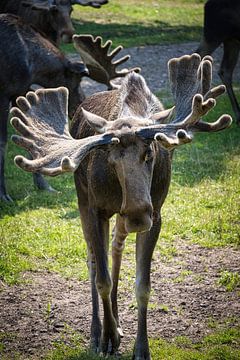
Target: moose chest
[(99, 184)]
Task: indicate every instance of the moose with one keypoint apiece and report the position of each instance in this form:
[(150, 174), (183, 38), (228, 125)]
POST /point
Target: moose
[(29, 58), (120, 148), (222, 26), (52, 18)]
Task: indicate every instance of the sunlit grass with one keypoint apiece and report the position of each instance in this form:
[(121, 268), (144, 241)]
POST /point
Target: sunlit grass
[(136, 23), (219, 345)]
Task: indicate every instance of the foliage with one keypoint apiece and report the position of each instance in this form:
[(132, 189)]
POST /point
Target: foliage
[(230, 280)]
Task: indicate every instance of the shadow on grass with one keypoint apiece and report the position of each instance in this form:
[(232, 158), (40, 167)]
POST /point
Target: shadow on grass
[(138, 33), (26, 197)]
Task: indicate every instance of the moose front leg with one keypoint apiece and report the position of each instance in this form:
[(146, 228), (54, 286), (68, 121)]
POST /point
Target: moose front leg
[(119, 236), (144, 249), (96, 326), (96, 231)]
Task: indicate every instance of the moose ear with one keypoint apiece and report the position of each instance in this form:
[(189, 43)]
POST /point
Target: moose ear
[(96, 122), (163, 117)]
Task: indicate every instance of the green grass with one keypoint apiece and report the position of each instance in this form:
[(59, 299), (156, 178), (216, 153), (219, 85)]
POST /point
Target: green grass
[(219, 345), (230, 280), (140, 22), (222, 345), (203, 203)]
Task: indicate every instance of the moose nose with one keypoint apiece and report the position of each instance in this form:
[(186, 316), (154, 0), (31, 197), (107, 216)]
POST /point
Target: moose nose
[(141, 224), (138, 220)]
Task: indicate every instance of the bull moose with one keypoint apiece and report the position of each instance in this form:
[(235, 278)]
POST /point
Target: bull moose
[(50, 17), (222, 26), (120, 149), (27, 58)]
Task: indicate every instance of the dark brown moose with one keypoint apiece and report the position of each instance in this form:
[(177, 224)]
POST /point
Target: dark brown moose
[(222, 26), (50, 17), (120, 150), (29, 58)]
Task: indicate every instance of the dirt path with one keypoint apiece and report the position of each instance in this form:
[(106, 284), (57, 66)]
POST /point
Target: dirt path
[(153, 62), (35, 315)]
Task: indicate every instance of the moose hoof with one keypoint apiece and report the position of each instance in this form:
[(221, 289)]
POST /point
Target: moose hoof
[(141, 357), (41, 183), (141, 352), (110, 345)]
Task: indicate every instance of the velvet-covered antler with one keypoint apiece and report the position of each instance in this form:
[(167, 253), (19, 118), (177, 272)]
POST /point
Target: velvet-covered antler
[(190, 80), (99, 59), (42, 121), (93, 3)]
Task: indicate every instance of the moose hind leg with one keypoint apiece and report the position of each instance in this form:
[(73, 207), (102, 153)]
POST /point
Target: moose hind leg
[(41, 183), (229, 61)]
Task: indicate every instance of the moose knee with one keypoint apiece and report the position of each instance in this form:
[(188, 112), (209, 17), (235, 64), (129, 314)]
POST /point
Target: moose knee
[(142, 293), (104, 287)]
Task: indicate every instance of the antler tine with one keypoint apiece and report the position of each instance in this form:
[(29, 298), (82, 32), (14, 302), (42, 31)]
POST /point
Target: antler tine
[(190, 80), (190, 76), (42, 122), (169, 142), (99, 60), (185, 80)]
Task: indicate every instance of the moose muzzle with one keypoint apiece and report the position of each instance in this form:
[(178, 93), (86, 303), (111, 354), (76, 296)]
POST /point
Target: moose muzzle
[(139, 220)]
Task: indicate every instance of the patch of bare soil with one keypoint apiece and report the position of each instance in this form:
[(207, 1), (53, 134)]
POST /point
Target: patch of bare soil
[(34, 315)]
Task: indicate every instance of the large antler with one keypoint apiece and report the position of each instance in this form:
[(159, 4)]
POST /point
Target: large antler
[(190, 80), (42, 121), (94, 3), (99, 59)]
